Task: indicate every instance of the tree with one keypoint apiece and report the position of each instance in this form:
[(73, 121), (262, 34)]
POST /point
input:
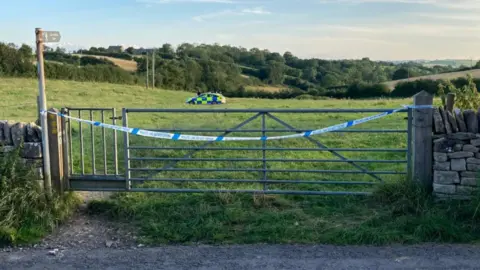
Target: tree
[(130, 50), (310, 74), (273, 73), (60, 50), (330, 80), (401, 73), (167, 51), (25, 51)]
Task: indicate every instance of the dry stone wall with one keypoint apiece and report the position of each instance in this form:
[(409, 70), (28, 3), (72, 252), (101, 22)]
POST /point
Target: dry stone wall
[(456, 153), (13, 134)]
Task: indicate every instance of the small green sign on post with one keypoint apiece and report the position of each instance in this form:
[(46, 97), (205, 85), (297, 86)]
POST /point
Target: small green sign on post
[(51, 36)]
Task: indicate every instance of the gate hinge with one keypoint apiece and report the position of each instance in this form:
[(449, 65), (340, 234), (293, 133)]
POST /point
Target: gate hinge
[(116, 118)]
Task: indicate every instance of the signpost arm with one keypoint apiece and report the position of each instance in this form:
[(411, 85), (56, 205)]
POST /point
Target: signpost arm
[(42, 108)]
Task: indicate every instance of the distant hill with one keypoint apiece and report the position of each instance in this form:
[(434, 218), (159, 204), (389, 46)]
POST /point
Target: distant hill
[(455, 63), (445, 76), (234, 71)]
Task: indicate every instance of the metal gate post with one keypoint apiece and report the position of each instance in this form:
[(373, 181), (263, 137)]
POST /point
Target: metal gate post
[(126, 149), (66, 148), (264, 152), (115, 142)]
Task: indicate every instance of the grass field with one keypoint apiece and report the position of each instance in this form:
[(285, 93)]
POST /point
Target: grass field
[(445, 76), (397, 212), (128, 65), (266, 88)]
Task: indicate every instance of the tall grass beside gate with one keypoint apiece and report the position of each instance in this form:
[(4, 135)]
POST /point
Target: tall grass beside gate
[(396, 213), (26, 214)]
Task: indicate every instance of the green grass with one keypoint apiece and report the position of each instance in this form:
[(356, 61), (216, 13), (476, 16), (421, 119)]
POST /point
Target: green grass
[(26, 214), (266, 88), (397, 213)]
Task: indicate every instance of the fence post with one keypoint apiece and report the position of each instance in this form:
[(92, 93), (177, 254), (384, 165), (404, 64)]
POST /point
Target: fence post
[(422, 140), (56, 151), (450, 102)]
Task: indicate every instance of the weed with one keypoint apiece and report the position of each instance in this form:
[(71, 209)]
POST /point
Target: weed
[(25, 213)]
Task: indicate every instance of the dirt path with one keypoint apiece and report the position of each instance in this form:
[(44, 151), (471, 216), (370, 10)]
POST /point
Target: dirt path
[(250, 257), (89, 232)]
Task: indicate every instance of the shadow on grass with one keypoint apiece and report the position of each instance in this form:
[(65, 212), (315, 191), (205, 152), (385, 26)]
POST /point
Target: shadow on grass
[(395, 213)]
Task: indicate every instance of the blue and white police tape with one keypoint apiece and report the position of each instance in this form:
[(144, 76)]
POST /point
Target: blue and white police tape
[(185, 137)]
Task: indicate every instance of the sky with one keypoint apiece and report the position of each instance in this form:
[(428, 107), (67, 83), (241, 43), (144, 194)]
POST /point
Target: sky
[(328, 29)]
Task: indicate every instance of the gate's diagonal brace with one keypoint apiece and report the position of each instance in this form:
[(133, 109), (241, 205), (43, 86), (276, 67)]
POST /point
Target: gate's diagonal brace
[(189, 154), (320, 145)]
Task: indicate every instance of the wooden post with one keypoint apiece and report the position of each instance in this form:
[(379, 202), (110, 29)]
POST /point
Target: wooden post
[(450, 102), (65, 148), (43, 106), (422, 140), (56, 151)]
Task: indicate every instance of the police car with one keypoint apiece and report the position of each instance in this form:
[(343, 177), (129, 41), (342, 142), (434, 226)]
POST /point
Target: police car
[(207, 99)]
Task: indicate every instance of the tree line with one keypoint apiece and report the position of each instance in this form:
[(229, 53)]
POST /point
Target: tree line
[(20, 61), (227, 69)]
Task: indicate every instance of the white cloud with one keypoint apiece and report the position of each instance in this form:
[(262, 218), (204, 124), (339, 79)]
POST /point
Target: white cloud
[(256, 10), (388, 31), (186, 1), (228, 12), (201, 18), (464, 17), (448, 4)]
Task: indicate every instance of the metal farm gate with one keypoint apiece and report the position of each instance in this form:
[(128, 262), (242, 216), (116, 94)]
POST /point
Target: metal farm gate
[(345, 161)]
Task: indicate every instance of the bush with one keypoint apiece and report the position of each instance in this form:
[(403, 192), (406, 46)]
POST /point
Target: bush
[(89, 60), (305, 97), (91, 73), (313, 92), (408, 89), (466, 97), (62, 58), (25, 212), (362, 90)]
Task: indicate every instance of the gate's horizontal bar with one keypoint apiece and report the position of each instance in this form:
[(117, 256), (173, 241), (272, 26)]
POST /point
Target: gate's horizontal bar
[(257, 170), (269, 149), (279, 192), (316, 182), (268, 160), (95, 184), (97, 177), (280, 130), (88, 109), (145, 110)]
